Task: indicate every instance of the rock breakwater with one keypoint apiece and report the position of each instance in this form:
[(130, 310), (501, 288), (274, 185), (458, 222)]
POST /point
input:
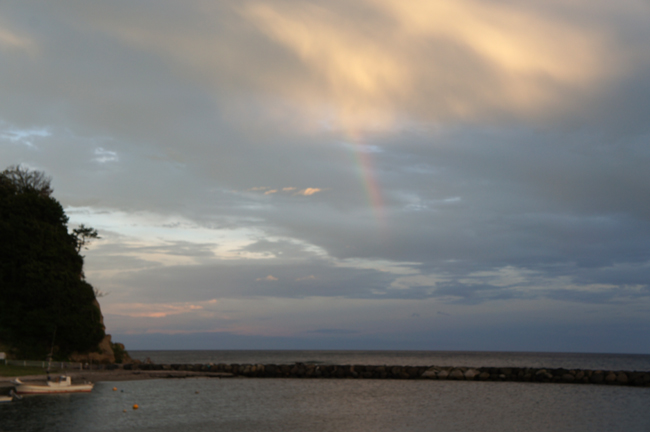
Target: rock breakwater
[(315, 371)]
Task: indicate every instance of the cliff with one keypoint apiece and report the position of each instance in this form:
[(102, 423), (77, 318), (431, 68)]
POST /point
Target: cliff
[(104, 352), (45, 300)]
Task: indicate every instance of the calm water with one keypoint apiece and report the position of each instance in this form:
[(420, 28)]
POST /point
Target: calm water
[(333, 405), (339, 405), (406, 358)]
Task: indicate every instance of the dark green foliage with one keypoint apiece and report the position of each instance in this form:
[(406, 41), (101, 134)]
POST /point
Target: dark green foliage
[(41, 288), (121, 355)]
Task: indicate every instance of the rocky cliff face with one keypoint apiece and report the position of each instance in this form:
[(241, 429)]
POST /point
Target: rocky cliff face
[(105, 352)]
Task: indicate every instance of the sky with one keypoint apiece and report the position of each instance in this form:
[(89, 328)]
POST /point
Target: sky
[(346, 174)]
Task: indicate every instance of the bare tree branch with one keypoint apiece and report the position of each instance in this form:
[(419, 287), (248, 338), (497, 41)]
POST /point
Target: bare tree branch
[(25, 180)]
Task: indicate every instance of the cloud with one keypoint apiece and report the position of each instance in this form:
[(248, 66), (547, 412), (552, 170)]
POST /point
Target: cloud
[(286, 190), (481, 157), (467, 60), (104, 156), (268, 278), (286, 249), (26, 137), (156, 310), (449, 59), (420, 280), (308, 191), (11, 40), (330, 331)]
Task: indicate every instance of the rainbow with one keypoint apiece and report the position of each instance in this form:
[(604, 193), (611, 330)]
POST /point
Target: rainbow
[(364, 163)]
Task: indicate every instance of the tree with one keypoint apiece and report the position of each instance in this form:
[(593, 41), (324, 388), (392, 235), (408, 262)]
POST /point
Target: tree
[(25, 180), (84, 235), (40, 285)]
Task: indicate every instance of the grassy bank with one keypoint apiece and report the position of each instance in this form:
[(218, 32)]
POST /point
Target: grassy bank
[(12, 371)]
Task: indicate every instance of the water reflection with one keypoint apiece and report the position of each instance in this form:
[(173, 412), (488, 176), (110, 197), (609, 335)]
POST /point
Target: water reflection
[(333, 405)]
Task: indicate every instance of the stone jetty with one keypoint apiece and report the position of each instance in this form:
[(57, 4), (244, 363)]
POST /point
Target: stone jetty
[(325, 371)]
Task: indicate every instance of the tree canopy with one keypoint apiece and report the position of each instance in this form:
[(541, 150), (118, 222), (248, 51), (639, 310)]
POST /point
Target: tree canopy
[(42, 289), (24, 180)]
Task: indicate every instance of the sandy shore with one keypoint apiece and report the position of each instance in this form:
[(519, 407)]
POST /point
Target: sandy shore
[(119, 375)]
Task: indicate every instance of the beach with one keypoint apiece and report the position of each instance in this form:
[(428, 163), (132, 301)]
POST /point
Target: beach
[(95, 376)]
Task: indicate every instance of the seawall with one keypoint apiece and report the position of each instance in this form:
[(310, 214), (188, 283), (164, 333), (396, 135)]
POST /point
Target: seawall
[(314, 371)]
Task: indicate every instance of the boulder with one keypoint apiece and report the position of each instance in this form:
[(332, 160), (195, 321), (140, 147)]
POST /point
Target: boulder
[(567, 377), (456, 374), (470, 374), (597, 378), (431, 373)]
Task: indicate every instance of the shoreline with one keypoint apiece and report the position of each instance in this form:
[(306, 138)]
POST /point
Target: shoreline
[(95, 376), (136, 372)]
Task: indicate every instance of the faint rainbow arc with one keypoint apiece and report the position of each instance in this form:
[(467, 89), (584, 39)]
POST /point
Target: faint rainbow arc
[(366, 169)]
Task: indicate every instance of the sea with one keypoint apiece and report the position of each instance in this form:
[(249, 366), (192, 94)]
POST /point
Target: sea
[(314, 405)]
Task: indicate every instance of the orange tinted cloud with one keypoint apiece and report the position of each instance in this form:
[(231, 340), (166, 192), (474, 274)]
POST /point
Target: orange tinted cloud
[(10, 40), (268, 278), (290, 189), (448, 58), (370, 63), (308, 191), (156, 310)]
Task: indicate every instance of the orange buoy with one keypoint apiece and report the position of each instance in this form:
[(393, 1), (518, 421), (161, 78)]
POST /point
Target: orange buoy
[(135, 407), (114, 388)]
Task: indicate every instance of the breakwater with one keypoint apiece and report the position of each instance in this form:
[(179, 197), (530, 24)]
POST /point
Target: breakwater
[(319, 371)]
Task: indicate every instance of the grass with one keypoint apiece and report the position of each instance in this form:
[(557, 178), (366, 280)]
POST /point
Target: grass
[(14, 371)]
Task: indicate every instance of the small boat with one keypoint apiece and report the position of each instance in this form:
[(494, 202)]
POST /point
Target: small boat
[(11, 397), (62, 385)]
